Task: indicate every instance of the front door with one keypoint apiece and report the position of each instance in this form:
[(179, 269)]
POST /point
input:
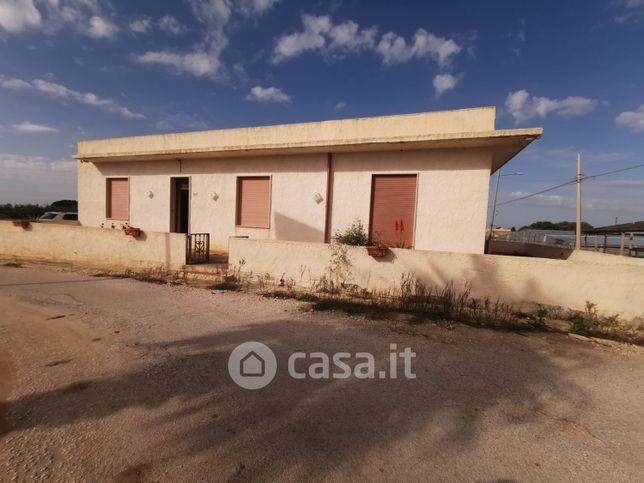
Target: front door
[(393, 210), (180, 205)]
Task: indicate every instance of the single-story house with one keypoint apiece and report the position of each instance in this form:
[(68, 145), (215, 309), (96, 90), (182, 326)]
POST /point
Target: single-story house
[(415, 180)]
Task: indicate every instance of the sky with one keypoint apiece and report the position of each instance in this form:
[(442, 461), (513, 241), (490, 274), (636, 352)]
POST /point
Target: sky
[(87, 69)]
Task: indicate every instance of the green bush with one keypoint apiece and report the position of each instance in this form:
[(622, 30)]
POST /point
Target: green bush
[(355, 235)]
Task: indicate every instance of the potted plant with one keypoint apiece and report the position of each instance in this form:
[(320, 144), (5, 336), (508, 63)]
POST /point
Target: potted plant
[(356, 235), (132, 231), (377, 250)]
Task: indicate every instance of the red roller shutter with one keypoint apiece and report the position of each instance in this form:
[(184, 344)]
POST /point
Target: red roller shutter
[(254, 202), (118, 199), (393, 209)]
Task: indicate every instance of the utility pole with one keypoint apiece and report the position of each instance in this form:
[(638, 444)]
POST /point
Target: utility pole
[(578, 231), (496, 194)]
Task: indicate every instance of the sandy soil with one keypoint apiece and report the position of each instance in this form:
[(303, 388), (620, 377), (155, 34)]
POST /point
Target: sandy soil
[(104, 379)]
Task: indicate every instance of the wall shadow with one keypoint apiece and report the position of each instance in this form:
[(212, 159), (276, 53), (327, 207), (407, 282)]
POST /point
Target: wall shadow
[(289, 229), (301, 427)]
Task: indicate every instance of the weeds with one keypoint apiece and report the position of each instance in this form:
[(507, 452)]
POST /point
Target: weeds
[(590, 324), (452, 304), (282, 294), (352, 307), (229, 286)]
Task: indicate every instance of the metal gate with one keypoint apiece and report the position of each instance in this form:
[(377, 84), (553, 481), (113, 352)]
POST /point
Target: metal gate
[(197, 248)]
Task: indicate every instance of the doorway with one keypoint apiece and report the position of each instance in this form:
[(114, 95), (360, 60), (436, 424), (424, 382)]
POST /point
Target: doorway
[(180, 205)]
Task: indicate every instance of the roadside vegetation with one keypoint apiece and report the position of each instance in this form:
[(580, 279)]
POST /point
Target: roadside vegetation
[(31, 211), (556, 226), (415, 300)]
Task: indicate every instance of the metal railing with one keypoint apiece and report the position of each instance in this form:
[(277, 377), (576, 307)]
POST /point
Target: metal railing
[(541, 237), (197, 248)]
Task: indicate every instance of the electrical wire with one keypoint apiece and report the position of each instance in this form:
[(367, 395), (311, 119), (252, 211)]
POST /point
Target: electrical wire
[(612, 172), (573, 181), (537, 193)]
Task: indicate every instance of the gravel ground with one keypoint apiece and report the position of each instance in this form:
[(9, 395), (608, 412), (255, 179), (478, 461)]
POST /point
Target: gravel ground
[(114, 379)]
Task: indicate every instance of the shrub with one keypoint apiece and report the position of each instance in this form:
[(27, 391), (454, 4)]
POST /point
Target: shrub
[(355, 234)]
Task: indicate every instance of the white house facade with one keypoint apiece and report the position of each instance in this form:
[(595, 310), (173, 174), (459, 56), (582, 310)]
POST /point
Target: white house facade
[(418, 180)]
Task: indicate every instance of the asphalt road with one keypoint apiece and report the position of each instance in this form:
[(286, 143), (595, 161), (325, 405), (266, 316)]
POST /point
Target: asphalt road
[(114, 379)]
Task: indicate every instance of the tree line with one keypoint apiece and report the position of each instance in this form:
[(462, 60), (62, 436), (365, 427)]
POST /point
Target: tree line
[(31, 210), (556, 226)]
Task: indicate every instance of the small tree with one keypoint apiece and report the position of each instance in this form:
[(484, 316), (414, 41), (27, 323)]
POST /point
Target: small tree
[(355, 234)]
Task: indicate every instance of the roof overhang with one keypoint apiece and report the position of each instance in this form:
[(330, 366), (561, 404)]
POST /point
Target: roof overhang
[(505, 144), (465, 128)]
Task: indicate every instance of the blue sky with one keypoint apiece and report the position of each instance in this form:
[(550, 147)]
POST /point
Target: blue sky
[(79, 69)]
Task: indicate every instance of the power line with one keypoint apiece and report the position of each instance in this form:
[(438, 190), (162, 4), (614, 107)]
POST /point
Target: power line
[(613, 172), (537, 193), (573, 181)]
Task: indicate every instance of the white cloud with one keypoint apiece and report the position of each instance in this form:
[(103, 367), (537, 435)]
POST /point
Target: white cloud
[(141, 26), (18, 15), (542, 200), (101, 28), (167, 23), (394, 48), (444, 83), (311, 38), (255, 7), (33, 163), (340, 105), (267, 94), (59, 91), (50, 16), (321, 35), (629, 10), (35, 179), (170, 24), (11, 83), (204, 59), (601, 200), (522, 106), (348, 36), (633, 120), (196, 63), (29, 127)]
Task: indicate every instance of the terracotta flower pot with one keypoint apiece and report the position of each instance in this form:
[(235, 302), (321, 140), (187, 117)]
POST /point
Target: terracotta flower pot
[(375, 251), (133, 232)]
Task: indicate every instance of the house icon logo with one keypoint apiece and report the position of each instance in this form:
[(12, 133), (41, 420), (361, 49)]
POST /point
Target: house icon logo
[(252, 365)]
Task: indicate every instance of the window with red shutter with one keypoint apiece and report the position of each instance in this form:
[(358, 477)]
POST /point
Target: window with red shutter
[(254, 202), (393, 210), (118, 199)]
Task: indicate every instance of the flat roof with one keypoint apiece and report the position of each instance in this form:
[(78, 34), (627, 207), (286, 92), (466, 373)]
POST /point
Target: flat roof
[(464, 128)]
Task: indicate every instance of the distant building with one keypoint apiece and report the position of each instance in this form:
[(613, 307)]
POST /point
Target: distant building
[(418, 180)]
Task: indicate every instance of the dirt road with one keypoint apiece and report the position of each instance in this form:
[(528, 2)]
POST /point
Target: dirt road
[(104, 379)]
